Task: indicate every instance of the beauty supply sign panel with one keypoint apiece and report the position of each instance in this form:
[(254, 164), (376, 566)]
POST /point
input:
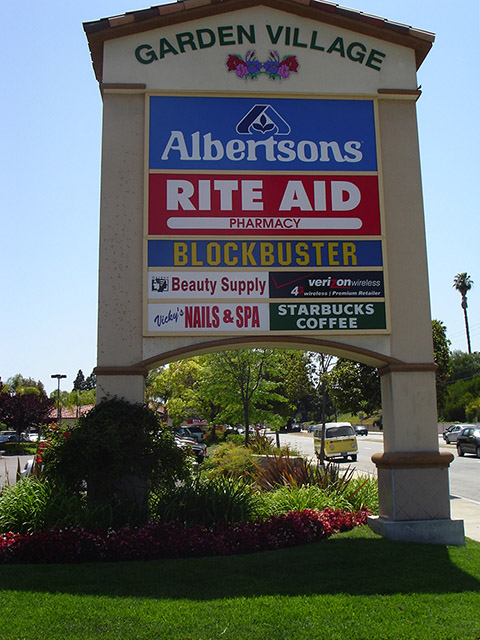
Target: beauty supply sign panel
[(267, 200)]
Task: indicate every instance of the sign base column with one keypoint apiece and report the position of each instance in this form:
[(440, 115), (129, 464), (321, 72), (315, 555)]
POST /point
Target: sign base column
[(414, 501)]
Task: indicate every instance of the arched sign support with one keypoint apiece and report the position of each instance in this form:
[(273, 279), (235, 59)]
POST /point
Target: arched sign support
[(261, 185)]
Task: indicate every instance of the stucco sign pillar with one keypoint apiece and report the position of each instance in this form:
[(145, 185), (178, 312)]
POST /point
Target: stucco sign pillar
[(261, 185)]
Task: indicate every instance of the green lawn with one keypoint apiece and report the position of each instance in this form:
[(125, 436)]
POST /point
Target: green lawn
[(354, 585)]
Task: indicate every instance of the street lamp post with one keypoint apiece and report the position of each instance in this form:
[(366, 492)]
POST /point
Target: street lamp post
[(58, 376)]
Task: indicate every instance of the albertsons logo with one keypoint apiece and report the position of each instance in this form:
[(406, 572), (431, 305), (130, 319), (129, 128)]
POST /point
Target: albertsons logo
[(262, 124), (263, 118)]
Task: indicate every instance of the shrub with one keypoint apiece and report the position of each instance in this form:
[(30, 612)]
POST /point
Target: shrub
[(117, 451), (114, 439), (205, 502), (19, 448), (229, 459)]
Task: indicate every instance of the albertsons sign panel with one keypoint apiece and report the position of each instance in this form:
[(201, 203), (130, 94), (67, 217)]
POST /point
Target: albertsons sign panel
[(256, 190)]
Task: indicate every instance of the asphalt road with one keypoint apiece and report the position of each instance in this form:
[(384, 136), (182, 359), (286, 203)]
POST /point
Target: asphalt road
[(464, 472)]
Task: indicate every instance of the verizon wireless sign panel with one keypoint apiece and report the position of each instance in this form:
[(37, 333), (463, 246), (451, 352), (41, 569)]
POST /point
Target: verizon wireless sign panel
[(278, 183)]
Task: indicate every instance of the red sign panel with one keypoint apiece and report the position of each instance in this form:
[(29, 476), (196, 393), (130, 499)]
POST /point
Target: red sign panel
[(255, 204)]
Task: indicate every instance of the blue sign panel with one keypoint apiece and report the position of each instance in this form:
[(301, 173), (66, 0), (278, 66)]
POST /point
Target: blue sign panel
[(262, 253), (273, 134)]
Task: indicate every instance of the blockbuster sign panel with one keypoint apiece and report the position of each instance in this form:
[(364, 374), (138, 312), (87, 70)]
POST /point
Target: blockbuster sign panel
[(263, 216)]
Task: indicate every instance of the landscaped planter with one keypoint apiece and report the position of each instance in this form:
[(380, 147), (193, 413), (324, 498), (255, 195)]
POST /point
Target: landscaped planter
[(262, 460)]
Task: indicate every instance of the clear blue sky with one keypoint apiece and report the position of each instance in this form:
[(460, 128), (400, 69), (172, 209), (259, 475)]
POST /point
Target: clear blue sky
[(50, 170)]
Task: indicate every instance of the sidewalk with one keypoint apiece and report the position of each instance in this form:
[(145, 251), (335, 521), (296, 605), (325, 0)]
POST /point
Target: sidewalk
[(469, 512), (9, 467), (460, 508)]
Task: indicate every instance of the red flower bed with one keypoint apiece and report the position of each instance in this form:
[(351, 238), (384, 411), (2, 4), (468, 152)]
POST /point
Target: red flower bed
[(172, 540)]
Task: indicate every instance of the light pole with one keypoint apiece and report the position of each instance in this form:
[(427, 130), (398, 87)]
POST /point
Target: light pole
[(58, 376)]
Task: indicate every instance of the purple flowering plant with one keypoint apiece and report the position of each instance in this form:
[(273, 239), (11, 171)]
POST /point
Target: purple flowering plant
[(250, 67)]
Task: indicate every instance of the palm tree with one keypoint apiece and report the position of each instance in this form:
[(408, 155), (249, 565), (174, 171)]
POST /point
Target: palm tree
[(463, 283)]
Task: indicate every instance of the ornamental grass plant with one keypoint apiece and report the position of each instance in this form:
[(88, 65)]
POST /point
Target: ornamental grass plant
[(205, 501), (36, 504)]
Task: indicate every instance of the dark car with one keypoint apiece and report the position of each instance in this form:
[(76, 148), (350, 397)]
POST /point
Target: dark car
[(468, 441), (360, 430), (12, 436)]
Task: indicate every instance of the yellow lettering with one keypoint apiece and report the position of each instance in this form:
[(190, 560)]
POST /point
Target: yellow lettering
[(266, 254), (303, 259), (284, 254), (333, 260), (231, 262), (214, 255), (247, 254), (195, 262), (318, 246), (180, 257), (349, 254)]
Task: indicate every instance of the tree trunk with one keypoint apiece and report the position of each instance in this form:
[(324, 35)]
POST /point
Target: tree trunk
[(247, 422), (125, 499), (464, 307)]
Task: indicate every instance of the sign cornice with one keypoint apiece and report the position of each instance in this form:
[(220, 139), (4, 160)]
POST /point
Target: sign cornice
[(98, 32)]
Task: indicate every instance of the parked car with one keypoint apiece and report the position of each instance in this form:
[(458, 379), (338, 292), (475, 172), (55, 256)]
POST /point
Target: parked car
[(199, 450), (452, 435), (468, 441), (7, 436), (292, 426), (11, 436), (360, 430), (197, 433)]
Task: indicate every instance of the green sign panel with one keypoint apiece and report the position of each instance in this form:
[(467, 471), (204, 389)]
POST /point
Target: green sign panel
[(337, 316)]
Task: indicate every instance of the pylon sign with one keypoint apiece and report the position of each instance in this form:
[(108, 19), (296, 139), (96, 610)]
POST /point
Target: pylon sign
[(277, 186)]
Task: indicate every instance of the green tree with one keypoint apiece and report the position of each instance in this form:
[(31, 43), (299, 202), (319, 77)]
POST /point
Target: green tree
[(460, 395), (464, 366), (18, 384), (90, 382), (463, 387), (463, 283), (293, 372), (274, 383), (355, 387), (244, 381), (176, 386), (442, 358), (78, 383)]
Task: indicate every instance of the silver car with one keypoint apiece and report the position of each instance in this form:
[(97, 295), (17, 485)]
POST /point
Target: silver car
[(452, 435)]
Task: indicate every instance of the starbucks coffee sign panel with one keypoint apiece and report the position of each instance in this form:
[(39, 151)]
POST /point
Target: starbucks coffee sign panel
[(261, 44)]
